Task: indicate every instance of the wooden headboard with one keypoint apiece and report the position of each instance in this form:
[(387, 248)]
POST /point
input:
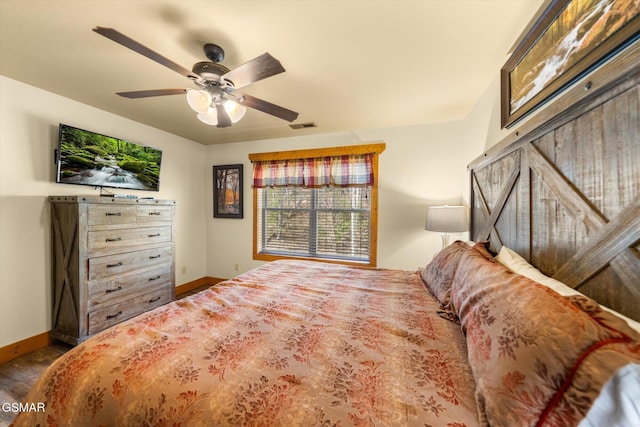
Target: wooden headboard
[(563, 190)]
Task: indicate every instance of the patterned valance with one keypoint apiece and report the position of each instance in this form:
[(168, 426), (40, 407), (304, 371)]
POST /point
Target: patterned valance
[(332, 171)]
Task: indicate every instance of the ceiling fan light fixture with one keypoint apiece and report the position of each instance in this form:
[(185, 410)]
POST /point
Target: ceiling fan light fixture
[(209, 117), (235, 110), (216, 83), (199, 100)]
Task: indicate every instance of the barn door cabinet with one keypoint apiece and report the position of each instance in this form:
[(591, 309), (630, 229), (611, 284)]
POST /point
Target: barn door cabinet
[(113, 259)]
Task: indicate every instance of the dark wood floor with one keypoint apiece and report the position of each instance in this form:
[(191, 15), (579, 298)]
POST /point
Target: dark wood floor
[(18, 375)]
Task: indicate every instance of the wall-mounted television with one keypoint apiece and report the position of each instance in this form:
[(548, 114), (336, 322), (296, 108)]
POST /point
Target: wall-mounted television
[(89, 158)]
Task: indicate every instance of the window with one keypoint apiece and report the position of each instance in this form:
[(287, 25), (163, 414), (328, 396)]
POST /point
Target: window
[(326, 222), (297, 215)]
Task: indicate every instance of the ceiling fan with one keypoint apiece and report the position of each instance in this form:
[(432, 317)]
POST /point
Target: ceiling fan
[(215, 100)]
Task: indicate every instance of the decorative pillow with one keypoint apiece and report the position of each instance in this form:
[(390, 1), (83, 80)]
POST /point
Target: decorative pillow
[(538, 358), (517, 264), (439, 273)]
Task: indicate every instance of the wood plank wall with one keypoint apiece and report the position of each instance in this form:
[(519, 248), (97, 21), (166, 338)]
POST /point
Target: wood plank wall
[(566, 196)]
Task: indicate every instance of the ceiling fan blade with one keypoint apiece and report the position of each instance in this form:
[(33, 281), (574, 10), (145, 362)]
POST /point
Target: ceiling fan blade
[(125, 41), (224, 121), (256, 69), (152, 92), (267, 107)]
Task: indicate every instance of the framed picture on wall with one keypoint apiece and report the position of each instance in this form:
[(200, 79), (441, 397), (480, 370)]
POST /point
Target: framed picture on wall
[(227, 191), (570, 38)]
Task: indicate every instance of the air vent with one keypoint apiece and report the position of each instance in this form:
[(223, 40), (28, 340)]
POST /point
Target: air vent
[(303, 125)]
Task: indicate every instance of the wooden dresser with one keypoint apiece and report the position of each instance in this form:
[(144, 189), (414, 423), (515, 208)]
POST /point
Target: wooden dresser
[(113, 258)]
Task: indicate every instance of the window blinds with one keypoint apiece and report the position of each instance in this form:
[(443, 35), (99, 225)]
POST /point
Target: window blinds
[(327, 222)]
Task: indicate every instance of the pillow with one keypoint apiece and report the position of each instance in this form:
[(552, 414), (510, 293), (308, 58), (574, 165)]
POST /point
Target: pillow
[(438, 274), (514, 262), (617, 405), (517, 264), (538, 358)]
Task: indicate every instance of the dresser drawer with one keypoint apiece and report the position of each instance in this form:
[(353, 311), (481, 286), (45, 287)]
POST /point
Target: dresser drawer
[(110, 214), (112, 265), (123, 237), (113, 290), (116, 313), (153, 213)]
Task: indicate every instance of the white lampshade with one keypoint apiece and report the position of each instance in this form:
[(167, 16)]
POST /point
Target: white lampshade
[(447, 219), (210, 116), (235, 110), (199, 100)]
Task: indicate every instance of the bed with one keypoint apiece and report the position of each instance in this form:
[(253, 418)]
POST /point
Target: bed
[(318, 344), (291, 343), (478, 336)]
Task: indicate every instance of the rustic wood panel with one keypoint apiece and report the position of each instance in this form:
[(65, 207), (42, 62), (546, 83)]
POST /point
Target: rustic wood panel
[(65, 268), (622, 123), (566, 196), (614, 238), (494, 207)]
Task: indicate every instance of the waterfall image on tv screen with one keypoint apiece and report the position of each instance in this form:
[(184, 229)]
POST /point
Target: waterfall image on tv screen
[(88, 158)]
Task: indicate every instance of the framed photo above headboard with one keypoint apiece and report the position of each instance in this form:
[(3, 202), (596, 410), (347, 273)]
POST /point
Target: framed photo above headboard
[(570, 38)]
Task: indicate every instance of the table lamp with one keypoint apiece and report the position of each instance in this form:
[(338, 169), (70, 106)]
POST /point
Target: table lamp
[(446, 219)]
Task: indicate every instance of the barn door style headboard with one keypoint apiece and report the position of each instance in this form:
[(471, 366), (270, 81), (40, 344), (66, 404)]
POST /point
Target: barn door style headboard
[(563, 190)]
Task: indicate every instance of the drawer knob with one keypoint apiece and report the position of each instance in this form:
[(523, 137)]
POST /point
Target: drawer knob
[(154, 213), (113, 290), (111, 316), (154, 256), (153, 235), (154, 299), (113, 239), (113, 214), (119, 264), (151, 279)]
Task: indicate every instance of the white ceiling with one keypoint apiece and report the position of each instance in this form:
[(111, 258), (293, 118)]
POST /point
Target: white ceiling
[(351, 65)]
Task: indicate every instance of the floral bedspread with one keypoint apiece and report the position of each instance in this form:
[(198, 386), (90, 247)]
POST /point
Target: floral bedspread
[(291, 343)]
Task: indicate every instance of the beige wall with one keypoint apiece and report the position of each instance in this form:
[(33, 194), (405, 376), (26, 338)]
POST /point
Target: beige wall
[(482, 129), (422, 165), (28, 136)]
